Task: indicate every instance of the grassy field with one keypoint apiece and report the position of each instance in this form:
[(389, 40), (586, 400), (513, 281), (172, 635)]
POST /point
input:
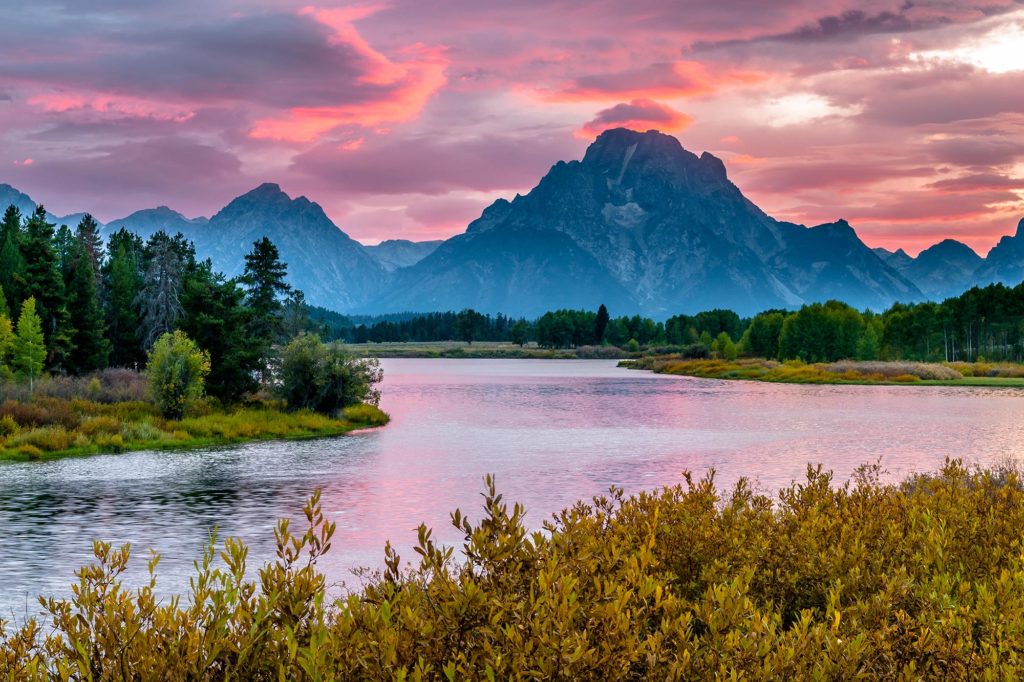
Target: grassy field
[(51, 428), (845, 372), (479, 349)]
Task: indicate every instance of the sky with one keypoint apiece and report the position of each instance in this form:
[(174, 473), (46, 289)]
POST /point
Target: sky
[(405, 118)]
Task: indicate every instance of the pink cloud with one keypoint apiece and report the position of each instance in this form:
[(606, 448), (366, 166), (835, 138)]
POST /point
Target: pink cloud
[(639, 114)]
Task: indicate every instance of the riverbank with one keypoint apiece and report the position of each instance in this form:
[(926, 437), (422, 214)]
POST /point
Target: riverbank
[(844, 372), (482, 350), (53, 428)]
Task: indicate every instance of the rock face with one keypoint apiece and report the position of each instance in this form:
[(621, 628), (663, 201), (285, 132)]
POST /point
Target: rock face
[(664, 224), (401, 253)]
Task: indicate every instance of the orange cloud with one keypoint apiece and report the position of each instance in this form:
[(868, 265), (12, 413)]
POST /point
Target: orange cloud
[(397, 90), (683, 78), (638, 114), (111, 104)]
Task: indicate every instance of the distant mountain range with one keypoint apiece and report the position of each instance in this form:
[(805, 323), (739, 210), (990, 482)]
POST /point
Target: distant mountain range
[(640, 224)]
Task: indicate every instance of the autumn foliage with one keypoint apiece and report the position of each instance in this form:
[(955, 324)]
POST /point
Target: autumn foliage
[(865, 580)]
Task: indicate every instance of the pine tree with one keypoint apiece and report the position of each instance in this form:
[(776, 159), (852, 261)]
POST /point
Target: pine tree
[(29, 344), (88, 235), (160, 297), (122, 289), (12, 261), (265, 283), (5, 310), (64, 247), (90, 350), (43, 281), (215, 317), (600, 324)]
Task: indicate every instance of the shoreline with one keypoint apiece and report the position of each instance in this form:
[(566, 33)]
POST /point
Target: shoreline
[(216, 429), (873, 373), (483, 350)]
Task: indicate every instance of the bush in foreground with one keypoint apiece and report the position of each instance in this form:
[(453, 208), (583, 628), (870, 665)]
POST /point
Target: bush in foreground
[(177, 368), (919, 580)]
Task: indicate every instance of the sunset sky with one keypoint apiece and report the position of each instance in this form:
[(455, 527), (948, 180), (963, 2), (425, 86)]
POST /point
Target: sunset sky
[(406, 118)]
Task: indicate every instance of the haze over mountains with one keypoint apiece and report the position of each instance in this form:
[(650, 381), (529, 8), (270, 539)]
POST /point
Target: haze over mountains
[(640, 224)]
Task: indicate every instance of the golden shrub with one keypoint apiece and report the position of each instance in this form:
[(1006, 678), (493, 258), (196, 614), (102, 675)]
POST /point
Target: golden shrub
[(919, 580)]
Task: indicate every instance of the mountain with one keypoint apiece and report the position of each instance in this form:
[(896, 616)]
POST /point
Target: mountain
[(538, 271), (897, 259), (943, 270), (9, 196), (147, 221), (12, 196), (667, 226), (1005, 262), (332, 269), (401, 253)]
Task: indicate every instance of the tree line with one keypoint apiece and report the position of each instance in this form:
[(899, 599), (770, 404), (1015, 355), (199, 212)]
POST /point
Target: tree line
[(82, 305), (984, 323)]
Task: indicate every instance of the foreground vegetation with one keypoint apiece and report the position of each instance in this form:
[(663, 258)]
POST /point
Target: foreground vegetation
[(114, 411), (924, 579), (843, 372), (225, 360)]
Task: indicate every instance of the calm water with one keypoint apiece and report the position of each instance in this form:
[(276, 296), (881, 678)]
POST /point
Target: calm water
[(552, 432)]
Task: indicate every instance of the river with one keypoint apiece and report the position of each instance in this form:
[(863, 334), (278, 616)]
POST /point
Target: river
[(551, 431)]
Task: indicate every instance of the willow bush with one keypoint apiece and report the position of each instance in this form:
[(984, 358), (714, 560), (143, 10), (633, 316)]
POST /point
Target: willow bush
[(923, 579)]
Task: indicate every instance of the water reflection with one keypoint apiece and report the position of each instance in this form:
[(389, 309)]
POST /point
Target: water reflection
[(552, 432)]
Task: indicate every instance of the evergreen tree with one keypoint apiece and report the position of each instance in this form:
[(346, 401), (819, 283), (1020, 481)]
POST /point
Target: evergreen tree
[(264, 279), (12, 261), (64, 247), (160, 297), (295, 319), (5, 310), (43, 281), (29, 344), (90, 350), (215, 318), (600, 324), (122, 287), (88, 235)]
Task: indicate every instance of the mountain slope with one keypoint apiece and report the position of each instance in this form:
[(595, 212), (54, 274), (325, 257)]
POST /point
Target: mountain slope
[(150, 220), (1005, 262), (675, 234), (529, 274), (401, 253), (944, 270), (334, 270)]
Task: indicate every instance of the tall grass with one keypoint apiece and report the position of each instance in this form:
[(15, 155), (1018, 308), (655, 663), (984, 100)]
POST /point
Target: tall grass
[(49, 427)]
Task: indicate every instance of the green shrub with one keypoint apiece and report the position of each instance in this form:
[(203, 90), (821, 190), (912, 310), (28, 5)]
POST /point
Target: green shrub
[(176, 369), (325, 378)]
